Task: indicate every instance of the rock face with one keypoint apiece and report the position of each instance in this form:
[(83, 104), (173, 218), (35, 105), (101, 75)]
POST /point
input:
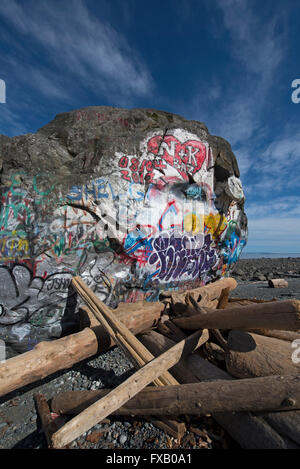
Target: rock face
[(134, 201)]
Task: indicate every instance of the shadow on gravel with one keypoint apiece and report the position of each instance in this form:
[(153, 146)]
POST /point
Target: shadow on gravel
[(31, 441), (108, 377), (30, 387)]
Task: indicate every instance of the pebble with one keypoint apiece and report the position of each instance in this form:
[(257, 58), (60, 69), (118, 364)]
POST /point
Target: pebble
[(123, 438)]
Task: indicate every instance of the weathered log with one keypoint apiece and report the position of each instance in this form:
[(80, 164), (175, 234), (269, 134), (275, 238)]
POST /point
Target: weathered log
[(49, 425), (212, 290), (128, 389), (215, 351), (282, 315), (258, 394), (247, 301), (289, 336), (286, 423), (250, 431), (48, 357), (278, 283), (224, 298), (253, 355), (208, 296)]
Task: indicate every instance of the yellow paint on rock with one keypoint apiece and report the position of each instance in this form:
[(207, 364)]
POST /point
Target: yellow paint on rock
[(215, 226)]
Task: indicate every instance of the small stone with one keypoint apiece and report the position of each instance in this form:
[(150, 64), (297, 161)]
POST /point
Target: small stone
[(123, 439)]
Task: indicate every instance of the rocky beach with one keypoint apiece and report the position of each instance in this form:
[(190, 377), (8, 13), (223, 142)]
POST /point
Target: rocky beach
[(253, 275), (19, 423)]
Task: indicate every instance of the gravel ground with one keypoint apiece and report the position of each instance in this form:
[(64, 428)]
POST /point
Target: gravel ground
[(20, 426)]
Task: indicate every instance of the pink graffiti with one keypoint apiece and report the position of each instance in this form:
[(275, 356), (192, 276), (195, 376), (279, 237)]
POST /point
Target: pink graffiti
[(187, 157)]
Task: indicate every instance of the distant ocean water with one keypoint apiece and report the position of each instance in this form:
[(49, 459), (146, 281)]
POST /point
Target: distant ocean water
[(272, 255)]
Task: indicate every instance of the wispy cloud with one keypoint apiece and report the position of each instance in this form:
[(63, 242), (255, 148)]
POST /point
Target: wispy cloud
[(256, 49), (67, 52), (281, 207), (89, 48)]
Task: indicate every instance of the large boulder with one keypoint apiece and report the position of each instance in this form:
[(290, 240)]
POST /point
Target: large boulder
[(135, 201)]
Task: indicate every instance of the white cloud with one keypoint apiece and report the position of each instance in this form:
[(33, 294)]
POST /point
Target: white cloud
[(81, 50), (284, 152), (255, 43), (280, 207)]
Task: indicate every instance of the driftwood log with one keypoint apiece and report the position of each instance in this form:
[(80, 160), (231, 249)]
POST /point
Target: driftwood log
[(49, 425), (281, 315), (287, 423), (289, 336), (258, 394), (48, 357), (128, 389), (250, 431), (278, 283), (208, 296), (252, 355)]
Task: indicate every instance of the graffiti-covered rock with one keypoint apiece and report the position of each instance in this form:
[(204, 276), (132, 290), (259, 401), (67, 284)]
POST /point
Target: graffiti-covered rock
[(135, 201)]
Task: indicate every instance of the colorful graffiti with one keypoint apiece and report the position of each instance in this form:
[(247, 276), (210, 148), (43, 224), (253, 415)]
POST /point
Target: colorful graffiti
[(183, 257), (149, 224)]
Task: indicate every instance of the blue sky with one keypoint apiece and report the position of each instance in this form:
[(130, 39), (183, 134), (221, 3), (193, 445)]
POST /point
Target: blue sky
[(227, 63)]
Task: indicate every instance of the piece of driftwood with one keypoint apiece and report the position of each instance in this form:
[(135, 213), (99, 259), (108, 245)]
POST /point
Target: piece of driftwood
[(48, 357), (134, 349), (250, 431), (278, 283), (215, 351), (174, 428), (49, 425), (222, 303), (169, 329), (247, 301), (128, 389), (252, 355), (257, 394), (224, 298), (287, 423), (208, 296), (289, 336), (281, 315)]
